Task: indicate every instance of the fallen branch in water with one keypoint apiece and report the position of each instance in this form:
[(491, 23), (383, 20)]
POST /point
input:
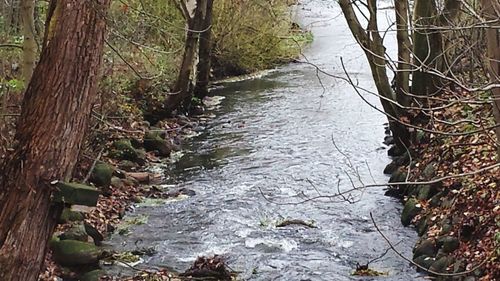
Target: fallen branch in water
[(296, 222)]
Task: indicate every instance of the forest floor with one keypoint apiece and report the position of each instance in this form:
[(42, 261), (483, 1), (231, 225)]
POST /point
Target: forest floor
[(456, 204)]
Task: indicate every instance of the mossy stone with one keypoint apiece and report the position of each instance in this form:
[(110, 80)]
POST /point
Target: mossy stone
[(154, 142), (424, 261), (422, 226), (448, 243), (74, 253), (76, 232), (426, 247), (123, 150), (410, 210), (102, 174), (424, 192), (441, 264), (69, 215)]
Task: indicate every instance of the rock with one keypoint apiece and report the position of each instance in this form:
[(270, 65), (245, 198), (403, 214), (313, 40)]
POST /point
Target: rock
[(389, 140), (403, 160), (123, 150), (424, 192), (395, 151), (436, 199), (101, 175), (75, 194), (154, 142), (68, 215), (93, 275), (117, 182), (445, 228), (429, 171), (390, 168), (127, 165), (448, 243), (422, 226), (397, 190), (74, 253), (410, 210), (425, 248), (424, 261), (441, 264), (77, 232)]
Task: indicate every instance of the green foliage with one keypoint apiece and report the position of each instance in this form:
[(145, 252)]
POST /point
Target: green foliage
[(251, 35)]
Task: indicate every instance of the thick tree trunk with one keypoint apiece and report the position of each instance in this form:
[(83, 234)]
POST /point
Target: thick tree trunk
[(29, 43), (55, 113), (491, 12), (204, 53), (404, 53), (182, 90), (426, 48)]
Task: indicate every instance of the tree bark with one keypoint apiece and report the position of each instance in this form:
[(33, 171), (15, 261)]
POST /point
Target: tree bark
[(55, 112), (29, 43), (204, 53), (426, 48), (404, 53), (491, 12), (372, 44), (181, 90)]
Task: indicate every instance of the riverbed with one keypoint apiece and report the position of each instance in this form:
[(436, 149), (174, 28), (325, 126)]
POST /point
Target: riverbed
[(275, 143)]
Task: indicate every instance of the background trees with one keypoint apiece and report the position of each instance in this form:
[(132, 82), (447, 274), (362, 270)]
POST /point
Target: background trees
[(437, 51)]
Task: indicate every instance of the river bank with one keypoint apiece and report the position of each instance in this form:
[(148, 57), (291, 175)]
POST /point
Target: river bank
[(452, 196)]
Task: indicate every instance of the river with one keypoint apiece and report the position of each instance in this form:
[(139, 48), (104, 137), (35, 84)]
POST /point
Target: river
[(271, 143)]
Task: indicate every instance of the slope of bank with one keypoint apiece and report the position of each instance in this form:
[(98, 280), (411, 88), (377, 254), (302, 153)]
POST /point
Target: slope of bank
[(452, 196)]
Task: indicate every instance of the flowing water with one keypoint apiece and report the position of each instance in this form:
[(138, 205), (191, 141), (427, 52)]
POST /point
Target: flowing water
[(271, 144)]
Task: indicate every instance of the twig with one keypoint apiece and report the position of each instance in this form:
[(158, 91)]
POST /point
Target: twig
[(85, 180)]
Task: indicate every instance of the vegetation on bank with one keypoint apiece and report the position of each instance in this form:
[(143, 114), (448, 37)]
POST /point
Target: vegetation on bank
[(443, 108), (144, 59)]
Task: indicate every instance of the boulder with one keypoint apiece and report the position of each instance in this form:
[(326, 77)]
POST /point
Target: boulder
[(410, 210), (429, 171), (448, 243), (422, 226), (77, 232), (426, 248), (424, 261), (75, 253), (154, 142), (69, 215), (75, 194), (424, 192), (391, 168), (101, 175), (123, 150), (441, 264)]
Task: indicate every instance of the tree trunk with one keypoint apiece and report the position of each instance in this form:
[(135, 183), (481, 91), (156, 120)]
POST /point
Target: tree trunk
[(54, 117), (491, 12), (29, 43), (181, 90), (426, 48), (372, 44), (204, 52), (404, 53)]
